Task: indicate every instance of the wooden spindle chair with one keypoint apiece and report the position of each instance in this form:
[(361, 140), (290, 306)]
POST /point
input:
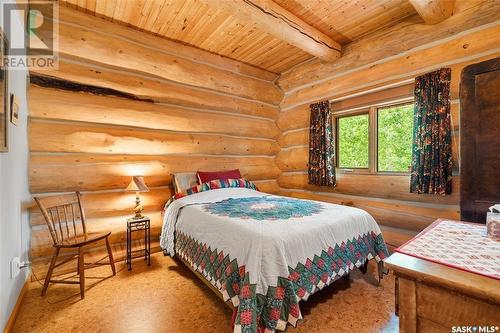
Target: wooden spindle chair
[(65, 219)]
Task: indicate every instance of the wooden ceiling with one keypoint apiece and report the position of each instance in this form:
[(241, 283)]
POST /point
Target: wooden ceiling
[(209, 27), (348, 20)]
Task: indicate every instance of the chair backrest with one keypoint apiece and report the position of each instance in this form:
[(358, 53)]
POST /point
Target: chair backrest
[(64, 215)]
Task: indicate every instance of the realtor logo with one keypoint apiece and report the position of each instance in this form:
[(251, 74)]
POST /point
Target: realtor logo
[(32, 32)]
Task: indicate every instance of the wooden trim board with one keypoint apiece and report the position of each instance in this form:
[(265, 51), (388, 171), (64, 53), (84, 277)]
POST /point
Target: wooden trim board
[(9, 327)]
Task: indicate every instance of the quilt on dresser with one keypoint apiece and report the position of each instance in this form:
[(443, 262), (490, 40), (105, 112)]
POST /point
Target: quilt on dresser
[(458, 244)]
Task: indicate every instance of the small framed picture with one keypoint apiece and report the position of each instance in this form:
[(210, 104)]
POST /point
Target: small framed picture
[(4, 101), (14, 109)]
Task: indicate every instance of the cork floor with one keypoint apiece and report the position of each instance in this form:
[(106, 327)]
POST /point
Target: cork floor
[(168, 297)]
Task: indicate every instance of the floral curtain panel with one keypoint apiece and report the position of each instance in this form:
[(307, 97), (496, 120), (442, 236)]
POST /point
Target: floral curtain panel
[(321, 146), (431, 170)]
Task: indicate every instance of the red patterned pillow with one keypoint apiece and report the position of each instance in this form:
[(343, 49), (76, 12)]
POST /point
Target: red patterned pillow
[(206, 176)]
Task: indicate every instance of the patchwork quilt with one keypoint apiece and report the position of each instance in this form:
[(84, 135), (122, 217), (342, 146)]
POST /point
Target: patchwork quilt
[(266, 253)]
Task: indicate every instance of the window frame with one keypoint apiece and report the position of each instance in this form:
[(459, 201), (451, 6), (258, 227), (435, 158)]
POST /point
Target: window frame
[(372, 112), (336, 117)]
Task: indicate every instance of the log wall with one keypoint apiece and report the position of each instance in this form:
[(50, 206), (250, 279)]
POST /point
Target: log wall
[(125, 103), (368, 69)]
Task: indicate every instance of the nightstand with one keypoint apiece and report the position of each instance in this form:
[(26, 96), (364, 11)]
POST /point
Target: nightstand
[(138, 225)]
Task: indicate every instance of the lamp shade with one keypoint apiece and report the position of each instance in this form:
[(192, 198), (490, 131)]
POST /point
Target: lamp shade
[(137, 184)]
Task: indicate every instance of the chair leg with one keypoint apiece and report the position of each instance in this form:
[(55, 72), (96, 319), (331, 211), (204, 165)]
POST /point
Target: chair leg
[(49, 272), (81, 268), (110, 255)]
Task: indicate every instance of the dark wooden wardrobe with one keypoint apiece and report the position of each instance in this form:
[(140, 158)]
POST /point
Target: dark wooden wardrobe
[(479, 139)]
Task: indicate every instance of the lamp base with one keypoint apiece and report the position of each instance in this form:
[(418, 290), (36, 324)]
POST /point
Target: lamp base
[(138, 208)]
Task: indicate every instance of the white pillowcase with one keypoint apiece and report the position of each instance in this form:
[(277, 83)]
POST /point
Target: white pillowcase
[(184, 180)]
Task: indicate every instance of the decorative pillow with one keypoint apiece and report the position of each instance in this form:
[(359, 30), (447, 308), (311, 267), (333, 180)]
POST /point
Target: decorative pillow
[(183, 181), (206, 176), (217, 184)]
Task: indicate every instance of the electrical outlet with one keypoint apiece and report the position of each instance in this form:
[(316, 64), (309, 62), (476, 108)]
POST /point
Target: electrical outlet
[(15, 267)]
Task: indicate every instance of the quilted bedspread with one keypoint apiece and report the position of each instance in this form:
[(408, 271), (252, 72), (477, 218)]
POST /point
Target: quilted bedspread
[(265, 253)]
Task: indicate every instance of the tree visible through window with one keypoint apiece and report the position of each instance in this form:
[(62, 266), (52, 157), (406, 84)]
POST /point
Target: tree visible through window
[(395, 132), (353, 141), (379, 139)]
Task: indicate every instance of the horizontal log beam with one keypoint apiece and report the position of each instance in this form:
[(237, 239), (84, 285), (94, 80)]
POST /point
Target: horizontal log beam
[(386, 95), (53, 82), (86, 172), (268, 186), (396, 236), (294, 138), (161, 91), (295, 118), (280, 23), (293, 159), (70, 137), (433, 11), (54, 104)]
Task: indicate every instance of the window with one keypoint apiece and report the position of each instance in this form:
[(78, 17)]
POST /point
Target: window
[(395, 135), (353, 141), (375, 139)]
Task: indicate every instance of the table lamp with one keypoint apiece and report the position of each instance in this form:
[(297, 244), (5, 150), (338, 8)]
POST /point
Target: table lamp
[(137, 184)]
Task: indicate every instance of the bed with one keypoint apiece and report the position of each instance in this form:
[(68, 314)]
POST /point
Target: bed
[(265, 253)]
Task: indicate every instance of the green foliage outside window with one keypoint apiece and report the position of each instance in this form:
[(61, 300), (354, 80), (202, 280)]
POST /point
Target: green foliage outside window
[(394, 139), (353, 141), (395, 135)]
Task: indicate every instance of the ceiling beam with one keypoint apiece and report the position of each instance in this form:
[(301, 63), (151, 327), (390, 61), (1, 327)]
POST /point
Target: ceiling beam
[(280, 23), (433, 11)]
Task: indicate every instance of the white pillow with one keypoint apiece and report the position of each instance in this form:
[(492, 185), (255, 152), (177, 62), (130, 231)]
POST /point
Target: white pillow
[(184, 180)]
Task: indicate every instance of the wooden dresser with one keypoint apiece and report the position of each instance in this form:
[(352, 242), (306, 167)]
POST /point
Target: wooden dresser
[(436, 298)]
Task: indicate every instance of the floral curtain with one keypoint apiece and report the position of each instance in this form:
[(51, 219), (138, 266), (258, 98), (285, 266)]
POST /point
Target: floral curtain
[(431, 170), (321, 146)]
